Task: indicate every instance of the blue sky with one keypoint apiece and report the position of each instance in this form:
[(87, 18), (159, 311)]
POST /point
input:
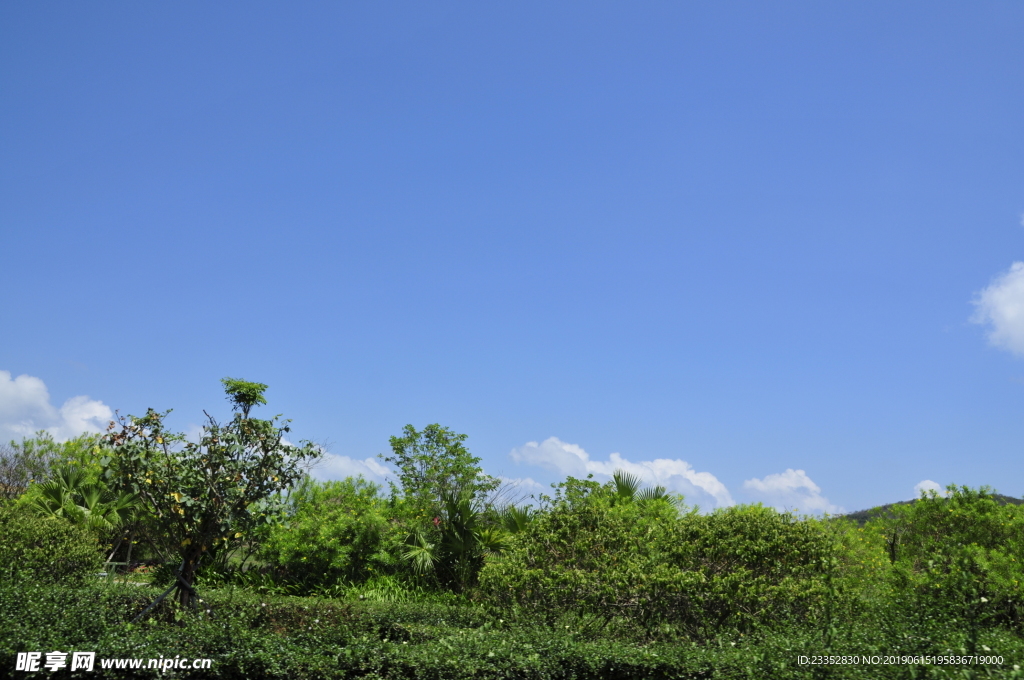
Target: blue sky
[(755, 251)]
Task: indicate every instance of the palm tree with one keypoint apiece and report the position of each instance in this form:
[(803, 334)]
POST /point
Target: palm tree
[(515, 519), (463, 539), (627, 490), (71, 495)]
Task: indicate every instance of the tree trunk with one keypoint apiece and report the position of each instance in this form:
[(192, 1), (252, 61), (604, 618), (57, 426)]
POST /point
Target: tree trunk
[(131, 542), (186, 594)]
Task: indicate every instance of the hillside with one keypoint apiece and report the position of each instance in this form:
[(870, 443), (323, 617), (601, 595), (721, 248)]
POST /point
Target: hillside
[(862, 516)]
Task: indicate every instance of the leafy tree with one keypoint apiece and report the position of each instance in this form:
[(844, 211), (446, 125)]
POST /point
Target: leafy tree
[(34, 459), (441, 501), (454, 545), (433, 463), (204, 496)]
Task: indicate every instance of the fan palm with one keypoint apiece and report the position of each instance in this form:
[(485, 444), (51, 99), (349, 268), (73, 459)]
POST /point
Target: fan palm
[(71, 495), (627, 490), (464, 540)]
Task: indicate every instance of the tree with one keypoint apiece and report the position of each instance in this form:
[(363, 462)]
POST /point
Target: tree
[(454, 546), (34, 459), (433, 464), (442, 494), (204, 496)]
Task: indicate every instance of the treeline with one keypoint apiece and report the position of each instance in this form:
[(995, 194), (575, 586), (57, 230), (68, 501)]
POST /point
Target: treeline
[(448, 574)]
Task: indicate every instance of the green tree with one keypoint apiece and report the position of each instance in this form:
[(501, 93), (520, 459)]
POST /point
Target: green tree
[(34, 459), (434, 463), (204, 496), (442, 504), (453, 546)]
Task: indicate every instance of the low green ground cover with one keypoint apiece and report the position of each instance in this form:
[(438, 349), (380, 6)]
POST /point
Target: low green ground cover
[(257, 636)]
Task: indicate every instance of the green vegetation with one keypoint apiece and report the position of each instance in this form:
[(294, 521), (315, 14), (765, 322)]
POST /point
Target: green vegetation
[(282, 576), (45, 549), (203, 497)]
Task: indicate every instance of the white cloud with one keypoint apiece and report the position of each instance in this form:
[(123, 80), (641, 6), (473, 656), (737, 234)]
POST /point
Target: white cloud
[(555, 455), (927, 485), (25, 409), (791, 490), (1001, 308), (673, 473), (525, 485), (333, 466)]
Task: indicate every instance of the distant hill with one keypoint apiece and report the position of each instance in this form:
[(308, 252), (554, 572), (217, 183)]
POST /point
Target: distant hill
[(862, 516)]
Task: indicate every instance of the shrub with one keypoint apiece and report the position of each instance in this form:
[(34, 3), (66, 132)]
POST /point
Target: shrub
[(250, 636), (46, 549), (331, 536), (962, 553), (733, 569)]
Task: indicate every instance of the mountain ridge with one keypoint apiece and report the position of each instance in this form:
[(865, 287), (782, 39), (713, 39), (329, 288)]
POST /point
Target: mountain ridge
[(862, 516)]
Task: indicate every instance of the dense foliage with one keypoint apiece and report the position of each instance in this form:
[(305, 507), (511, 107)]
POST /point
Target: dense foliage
[(333, 534), (436, 579), (264, 636), (33, 460), (45, 549), (735, 569), (204, 496)]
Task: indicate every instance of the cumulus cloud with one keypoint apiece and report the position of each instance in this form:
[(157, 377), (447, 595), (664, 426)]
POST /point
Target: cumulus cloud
[(1001, 308), (25, 409), (927, 485), (673, 473), (555, 455), (526, 485), (791, 490), (333, 466)]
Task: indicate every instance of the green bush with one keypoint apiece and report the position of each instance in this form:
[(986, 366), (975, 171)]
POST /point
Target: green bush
[(962, 554), (46, 549), (331, 536), (735, 569), (589, 555)]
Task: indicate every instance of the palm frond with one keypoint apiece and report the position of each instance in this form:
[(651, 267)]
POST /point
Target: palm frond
[(491, 540), (660, 493), (514, 520), (421, 553), (626, 485)]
